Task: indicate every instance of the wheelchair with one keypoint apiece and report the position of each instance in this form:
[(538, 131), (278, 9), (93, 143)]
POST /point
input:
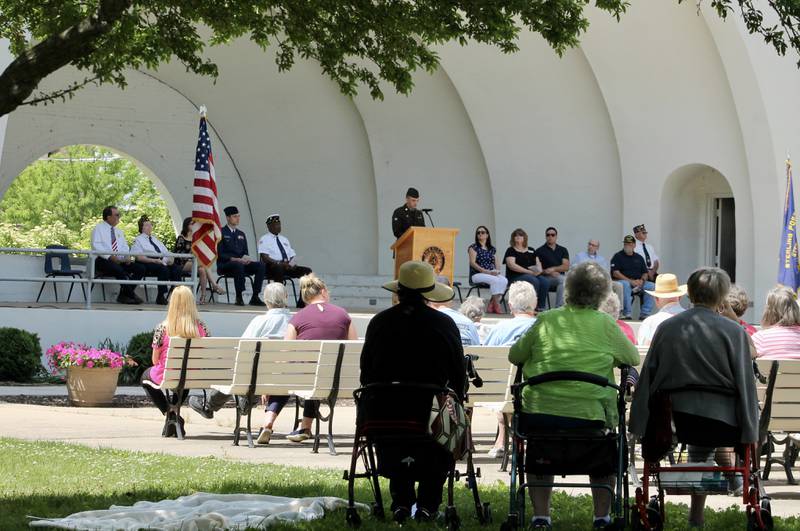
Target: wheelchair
[(380, 430), (568, 452), (680, 476)]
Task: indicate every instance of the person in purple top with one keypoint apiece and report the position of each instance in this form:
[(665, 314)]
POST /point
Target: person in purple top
[(318, 320)]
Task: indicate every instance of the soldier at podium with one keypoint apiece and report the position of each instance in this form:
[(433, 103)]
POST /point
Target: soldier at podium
[(407, 215)]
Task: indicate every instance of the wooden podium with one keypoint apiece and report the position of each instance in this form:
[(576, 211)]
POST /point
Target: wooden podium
[(428, 244)]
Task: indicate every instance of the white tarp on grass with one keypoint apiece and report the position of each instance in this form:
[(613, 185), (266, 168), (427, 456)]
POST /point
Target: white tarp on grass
[(200, 512)]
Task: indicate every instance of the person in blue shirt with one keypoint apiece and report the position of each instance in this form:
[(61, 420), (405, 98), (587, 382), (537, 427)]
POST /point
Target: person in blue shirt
[(466, 328), (232, 258), (522, 300), (629, 270)]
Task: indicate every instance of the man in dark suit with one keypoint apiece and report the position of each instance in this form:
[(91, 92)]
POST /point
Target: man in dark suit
[(232, 258), (407, 215)]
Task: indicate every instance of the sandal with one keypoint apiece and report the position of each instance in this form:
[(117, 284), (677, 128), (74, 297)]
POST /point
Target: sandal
[(219, 290)]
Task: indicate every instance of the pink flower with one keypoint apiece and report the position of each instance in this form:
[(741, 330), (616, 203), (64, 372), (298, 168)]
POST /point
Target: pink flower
[(90, 364)]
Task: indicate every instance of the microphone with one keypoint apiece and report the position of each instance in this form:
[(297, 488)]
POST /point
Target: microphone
[(426, 210)]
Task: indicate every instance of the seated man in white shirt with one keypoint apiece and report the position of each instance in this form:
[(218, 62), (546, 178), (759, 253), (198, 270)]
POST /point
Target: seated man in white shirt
[(278, 256), (646, 251), (108, 238), (163, 268), (668, 301), (593, 254)]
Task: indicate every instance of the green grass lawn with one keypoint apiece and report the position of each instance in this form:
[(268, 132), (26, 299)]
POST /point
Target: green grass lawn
[(50, 479)]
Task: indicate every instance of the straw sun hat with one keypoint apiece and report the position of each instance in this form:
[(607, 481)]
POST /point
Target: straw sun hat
[(667, 287), (419, 276)]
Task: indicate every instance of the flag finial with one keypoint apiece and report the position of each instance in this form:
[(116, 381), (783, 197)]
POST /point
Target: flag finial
[(203, 111)]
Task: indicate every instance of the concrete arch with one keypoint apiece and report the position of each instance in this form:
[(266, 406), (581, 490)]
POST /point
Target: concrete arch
[(161, 187), (686, 200)]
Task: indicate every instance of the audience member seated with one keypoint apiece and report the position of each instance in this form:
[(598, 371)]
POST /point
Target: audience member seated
[(182, 321), (233, 259), (668, 301), (611, 306), (575, 337), (592, 253), (523, 264), (647, 252), (318, 320), (555, 261), (701, 348), (628, 269), (183, 245), (484, 268), (466, 328), (108, 238), (163, 268), (522, 300), (779, 337), (278, 255), (270, 325), (473, 307), (413, 343), (738, 302)]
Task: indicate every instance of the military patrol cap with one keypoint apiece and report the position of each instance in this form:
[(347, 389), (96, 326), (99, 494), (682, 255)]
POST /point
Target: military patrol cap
[(412, 192), (639, 228), (272, 218), (231, 210), (628, 239)]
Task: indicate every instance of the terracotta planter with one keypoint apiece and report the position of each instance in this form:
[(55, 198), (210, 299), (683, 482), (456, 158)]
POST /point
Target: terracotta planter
[(91, 387)]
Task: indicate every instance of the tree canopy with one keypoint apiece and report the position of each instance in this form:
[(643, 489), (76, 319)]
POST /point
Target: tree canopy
[(59, 200), (355, 42)]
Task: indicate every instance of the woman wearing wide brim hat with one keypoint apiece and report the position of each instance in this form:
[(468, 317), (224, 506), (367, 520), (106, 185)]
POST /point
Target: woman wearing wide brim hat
[(416, 276), (414, 343)]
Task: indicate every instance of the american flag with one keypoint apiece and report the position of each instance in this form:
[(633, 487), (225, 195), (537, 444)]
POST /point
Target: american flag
[(205, 208)]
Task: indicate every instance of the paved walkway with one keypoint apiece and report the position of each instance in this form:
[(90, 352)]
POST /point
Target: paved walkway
[(139, 429)]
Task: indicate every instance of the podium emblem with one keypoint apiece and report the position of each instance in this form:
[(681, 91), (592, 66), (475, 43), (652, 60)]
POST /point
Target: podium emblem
[(435, 257)]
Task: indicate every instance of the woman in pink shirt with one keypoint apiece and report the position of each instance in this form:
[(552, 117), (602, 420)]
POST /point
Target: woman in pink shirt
[(779, 337), (182, 321)]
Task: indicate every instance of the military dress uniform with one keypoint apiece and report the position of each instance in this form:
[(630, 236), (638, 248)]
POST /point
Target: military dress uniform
[(234, 245), (404, 217)]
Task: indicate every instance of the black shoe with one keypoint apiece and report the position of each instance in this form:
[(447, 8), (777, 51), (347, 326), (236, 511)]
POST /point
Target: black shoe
[(161, 300), (124, 299), (239, 301), (541, 524), (255, 301), (401, 514), (423, 515), (136, 299), (196, 403)]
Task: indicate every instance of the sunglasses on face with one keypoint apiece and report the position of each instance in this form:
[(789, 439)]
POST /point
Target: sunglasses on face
[(481, 232), (550, 234)]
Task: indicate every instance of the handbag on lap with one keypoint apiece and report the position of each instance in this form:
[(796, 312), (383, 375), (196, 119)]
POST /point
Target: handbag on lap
[(659, 437)]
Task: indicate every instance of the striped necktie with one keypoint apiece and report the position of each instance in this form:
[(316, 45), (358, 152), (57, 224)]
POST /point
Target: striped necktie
[(114, 240)]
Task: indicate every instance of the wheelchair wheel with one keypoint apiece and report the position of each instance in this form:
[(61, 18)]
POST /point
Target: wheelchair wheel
[(766, 518), (655, 522), (353, 519)]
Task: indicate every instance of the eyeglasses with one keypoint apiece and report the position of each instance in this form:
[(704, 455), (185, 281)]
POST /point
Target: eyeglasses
[(550, 234)]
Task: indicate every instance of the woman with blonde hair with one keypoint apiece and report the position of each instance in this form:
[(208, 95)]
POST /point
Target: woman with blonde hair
[(182, 320), (779, 337), (318, 320)]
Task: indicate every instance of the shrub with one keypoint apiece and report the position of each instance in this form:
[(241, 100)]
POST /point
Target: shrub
[(139, 350), (20, 357)]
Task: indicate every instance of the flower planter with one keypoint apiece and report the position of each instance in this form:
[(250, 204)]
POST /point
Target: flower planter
[(91, 387)]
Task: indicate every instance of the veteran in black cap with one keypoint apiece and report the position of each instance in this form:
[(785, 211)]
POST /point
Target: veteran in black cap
[(233, 259), (407, 215), (647, 251), (278, 255)]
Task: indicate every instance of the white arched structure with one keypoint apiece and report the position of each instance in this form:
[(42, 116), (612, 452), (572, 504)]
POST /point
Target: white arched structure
[(593, 143)]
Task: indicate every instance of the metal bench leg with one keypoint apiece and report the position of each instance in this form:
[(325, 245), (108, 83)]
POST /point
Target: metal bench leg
[(331, 446), (315, 449), (39, 296)]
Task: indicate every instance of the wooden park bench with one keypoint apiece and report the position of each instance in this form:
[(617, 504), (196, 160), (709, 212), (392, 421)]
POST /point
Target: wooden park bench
[(306, 369), (780, 413), (198, 363)]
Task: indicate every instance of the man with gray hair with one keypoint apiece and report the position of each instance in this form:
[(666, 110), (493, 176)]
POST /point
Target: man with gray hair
[(592, 254), (271, 325), (522, 300)]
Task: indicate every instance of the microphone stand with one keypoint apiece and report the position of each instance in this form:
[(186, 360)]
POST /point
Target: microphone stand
[(427, 213)]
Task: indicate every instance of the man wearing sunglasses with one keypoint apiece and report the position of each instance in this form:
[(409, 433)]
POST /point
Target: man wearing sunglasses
[(555, 263)]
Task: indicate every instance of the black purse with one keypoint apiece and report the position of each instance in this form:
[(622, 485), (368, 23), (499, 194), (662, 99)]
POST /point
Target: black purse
[(659, 437)]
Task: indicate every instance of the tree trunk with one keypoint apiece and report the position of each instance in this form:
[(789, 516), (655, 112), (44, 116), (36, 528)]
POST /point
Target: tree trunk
[(25, 73)]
